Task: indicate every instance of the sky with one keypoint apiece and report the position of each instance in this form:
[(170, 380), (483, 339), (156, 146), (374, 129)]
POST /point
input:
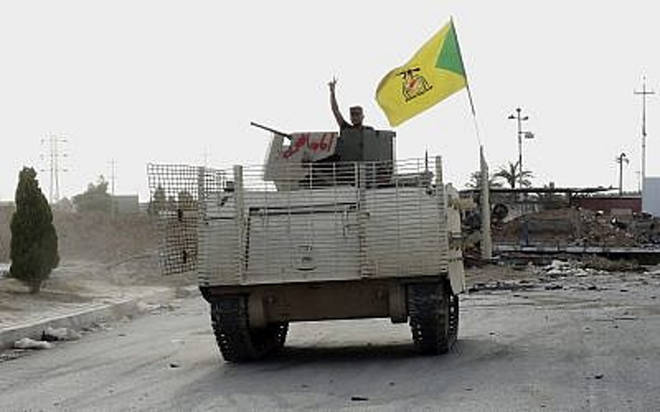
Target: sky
[(179, 82)]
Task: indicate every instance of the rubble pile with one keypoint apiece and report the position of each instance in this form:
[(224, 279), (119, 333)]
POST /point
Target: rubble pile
[(576, 227)]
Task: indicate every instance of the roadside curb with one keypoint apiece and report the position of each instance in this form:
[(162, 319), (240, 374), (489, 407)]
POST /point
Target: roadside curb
[(82, 318)]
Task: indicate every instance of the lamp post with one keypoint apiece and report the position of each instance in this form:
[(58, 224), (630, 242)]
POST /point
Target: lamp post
[(620, 159), (527, 135)]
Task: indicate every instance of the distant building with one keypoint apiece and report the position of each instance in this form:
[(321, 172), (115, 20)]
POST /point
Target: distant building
[(126, 204), (651, 196)]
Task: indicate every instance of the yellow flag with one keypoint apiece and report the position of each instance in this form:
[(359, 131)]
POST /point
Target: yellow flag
[(434, 73)]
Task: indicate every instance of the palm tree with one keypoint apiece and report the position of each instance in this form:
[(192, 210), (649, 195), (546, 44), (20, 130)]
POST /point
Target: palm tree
[(475, 181), (511, 173)]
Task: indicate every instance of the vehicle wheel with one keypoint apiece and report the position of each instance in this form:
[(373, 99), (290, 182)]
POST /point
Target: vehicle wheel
[(433, 311), (236, 340), (453, 318)]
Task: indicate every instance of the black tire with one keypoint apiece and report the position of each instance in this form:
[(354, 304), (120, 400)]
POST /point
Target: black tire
[(433, 311), (236, 340)]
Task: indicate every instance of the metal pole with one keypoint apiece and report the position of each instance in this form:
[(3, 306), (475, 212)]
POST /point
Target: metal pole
[(520, 160), (486, 240), (621, 175), (620, 159), (644, 93)]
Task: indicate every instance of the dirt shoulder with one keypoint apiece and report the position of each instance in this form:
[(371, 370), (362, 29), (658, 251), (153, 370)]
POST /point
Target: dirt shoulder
[(82, 284), (102, 260)]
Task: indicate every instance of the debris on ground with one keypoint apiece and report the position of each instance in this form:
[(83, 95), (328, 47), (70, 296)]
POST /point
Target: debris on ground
[(500, 285), (579, 227), (604, 264), (59, 334), (27, 343)]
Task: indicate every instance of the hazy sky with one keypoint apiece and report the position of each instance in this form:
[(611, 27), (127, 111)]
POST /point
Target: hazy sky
[(164, 81)]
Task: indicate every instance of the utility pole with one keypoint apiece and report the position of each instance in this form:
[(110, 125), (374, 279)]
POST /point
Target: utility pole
[(112, 186), (206, 156), (53, 157), (527, 135), (620, 159), (644, 93)]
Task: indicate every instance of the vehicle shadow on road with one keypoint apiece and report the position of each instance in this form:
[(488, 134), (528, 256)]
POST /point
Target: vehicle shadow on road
[(292, 356), (340, 370), (349, 353)]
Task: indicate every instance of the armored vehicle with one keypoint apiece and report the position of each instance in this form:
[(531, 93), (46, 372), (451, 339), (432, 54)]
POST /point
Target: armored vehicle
[(331, 227)]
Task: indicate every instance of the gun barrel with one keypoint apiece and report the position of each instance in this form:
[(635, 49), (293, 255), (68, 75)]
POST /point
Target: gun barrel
[(277, 132)]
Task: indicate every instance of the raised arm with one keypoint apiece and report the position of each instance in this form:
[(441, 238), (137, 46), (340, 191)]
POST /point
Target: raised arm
[(333, 104)]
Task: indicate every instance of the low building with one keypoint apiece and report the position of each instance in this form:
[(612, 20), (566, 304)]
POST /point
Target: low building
[(651, 196)]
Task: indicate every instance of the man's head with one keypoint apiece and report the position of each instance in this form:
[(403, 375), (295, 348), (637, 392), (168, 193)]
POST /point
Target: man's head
[(357, 116)]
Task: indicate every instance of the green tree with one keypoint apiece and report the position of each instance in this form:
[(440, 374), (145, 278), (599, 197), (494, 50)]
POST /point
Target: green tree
[(186, 201), (511, 174), (475, 181), (33, 238), (95, 198), (158, 201)]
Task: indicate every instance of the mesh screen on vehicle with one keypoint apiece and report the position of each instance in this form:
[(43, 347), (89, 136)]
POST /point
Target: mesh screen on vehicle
[(176, 195)]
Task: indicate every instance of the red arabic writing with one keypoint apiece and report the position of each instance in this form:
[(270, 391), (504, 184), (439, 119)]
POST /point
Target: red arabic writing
[(314, 145)]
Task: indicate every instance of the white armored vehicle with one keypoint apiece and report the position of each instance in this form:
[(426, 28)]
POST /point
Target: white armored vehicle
[(332, 227)]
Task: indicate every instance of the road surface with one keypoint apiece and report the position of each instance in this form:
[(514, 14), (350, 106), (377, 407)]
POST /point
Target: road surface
[(568, 349)]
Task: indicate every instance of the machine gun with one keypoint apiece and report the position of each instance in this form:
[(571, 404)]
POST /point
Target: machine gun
[(277, 132)]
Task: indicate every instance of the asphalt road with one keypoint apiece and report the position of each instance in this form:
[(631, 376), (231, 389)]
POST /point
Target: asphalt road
[(542, 349)]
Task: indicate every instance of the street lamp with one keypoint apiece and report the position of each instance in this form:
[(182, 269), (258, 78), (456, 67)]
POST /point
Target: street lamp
[(521, 134), (620, 159)]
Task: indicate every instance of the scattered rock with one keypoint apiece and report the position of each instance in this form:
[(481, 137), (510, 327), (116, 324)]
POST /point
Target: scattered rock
[(553, 287), (59, 334), (601, 263), (27, 343), (500, 285)]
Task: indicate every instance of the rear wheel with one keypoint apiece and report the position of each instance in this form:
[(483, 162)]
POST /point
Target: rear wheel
[(236, 340), (433, 311)]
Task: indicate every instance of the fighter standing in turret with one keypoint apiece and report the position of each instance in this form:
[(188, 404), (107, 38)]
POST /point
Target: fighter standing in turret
[(357, 114)]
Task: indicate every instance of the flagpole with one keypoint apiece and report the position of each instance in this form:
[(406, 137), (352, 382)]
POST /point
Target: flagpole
[(486, 235), (467, 85)]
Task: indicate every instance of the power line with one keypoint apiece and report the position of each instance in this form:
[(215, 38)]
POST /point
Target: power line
[(644, 93), (113, 178), (54, 148)]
